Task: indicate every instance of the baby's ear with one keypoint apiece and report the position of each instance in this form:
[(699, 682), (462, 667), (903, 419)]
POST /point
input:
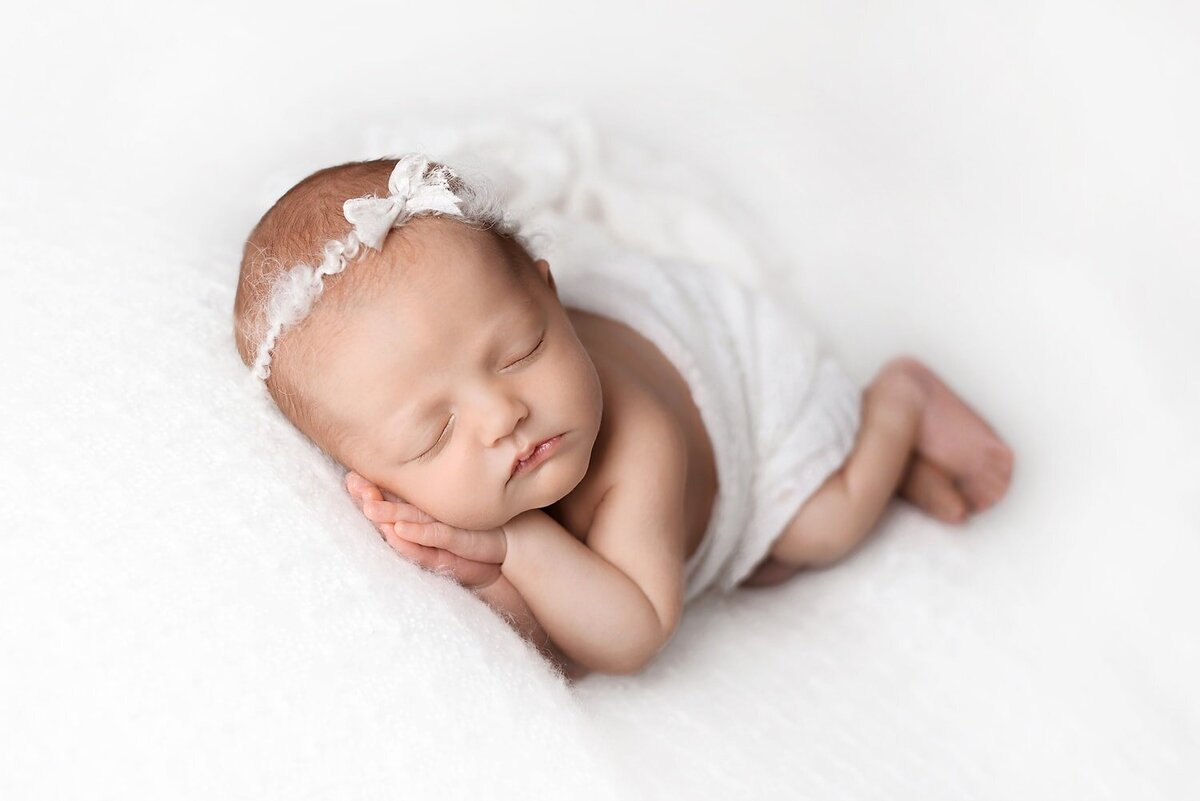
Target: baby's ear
[(543, 268)]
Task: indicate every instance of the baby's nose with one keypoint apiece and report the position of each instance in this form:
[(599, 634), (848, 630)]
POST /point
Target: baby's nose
[(502, 416)]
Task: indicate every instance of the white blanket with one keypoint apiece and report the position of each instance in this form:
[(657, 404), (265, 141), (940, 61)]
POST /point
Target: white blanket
[(190, 607)]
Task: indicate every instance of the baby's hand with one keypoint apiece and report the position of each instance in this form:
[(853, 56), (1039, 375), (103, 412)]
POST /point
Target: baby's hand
[(472, 558)]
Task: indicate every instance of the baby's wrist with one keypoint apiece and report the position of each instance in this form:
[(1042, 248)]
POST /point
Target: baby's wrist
[(520, 537)]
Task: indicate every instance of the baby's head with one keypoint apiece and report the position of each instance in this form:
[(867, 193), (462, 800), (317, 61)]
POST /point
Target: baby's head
[(427, 365)]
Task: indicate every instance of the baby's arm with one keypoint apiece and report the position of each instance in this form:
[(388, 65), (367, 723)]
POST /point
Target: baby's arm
[(503, 597), (613, 603), (598, 614)]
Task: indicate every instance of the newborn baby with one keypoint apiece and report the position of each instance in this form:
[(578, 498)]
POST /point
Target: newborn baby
[(571, 470)]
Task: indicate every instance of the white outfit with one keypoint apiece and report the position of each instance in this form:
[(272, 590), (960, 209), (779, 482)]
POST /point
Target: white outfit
[(782, 415)]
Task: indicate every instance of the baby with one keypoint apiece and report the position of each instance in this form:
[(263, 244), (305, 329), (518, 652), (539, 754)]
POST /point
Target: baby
[(583, 477)]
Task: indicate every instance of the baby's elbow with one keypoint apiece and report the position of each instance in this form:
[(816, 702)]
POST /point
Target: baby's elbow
[(630, 662), (641, 651)]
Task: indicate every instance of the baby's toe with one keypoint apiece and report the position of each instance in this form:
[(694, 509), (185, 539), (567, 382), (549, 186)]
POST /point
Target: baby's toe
[(977, 492), (947, 504)]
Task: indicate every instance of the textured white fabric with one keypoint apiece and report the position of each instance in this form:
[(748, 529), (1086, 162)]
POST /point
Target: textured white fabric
[(779, 410)]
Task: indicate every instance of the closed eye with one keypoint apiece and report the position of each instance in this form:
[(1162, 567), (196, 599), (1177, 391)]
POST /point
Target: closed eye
[(529, 355), (435, 443)]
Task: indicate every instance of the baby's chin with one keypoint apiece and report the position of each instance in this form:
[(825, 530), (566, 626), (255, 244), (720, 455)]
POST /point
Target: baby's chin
[(489, 519), (539, 496)]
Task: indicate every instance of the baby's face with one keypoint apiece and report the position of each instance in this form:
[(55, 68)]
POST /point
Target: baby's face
[(436, 383)]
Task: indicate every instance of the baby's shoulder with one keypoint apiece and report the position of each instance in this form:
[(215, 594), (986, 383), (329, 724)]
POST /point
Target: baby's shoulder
[(641, 448), (644, 429), (639, 423)]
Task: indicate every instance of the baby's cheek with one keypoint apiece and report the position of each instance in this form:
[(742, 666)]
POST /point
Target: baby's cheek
[(570, 380), (456, 495), (585, 395), (473, 518), (402, 490)]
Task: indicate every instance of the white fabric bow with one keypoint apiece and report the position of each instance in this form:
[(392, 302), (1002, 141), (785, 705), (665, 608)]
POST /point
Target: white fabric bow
[(411, 191)]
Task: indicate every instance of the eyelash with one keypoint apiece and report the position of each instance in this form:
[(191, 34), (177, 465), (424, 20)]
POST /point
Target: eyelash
[(536, 348), (433, 447)]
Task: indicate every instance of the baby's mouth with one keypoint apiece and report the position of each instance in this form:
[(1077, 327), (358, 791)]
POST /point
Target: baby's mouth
[(536, 455)]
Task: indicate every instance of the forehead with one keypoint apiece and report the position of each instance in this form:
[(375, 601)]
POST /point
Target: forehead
[(441, 293), (432, 254), (437, 279)]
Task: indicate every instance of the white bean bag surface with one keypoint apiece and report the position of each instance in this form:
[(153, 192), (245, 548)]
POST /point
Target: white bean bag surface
[(191, 607)]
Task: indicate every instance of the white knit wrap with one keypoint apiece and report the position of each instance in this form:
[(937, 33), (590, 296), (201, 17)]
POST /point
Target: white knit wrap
[(413, 190)]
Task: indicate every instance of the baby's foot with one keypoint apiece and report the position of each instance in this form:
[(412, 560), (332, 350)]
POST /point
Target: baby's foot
[(932, 490), (955, 438)]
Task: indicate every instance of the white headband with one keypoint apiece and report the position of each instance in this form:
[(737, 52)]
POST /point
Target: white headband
[(411, 192)]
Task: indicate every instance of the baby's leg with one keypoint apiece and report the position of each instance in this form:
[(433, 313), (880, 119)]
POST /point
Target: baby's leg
[(914, 431), (924, 484)]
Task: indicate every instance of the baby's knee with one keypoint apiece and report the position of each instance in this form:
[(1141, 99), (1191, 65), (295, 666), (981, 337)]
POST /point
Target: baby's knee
[(827, 526)]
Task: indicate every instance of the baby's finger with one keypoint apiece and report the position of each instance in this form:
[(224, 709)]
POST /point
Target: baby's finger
[(436, 560), (360, 489), (389, 512), (411, 551), (427, 558), (478, 546), (363, 486), (386, 529), (355, 483)]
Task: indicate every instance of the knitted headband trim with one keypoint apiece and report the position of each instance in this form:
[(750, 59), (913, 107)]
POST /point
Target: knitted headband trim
[(413, 190)]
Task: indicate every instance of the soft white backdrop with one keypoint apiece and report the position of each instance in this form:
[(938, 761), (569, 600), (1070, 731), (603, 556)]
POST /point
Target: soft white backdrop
[(190, 608)]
